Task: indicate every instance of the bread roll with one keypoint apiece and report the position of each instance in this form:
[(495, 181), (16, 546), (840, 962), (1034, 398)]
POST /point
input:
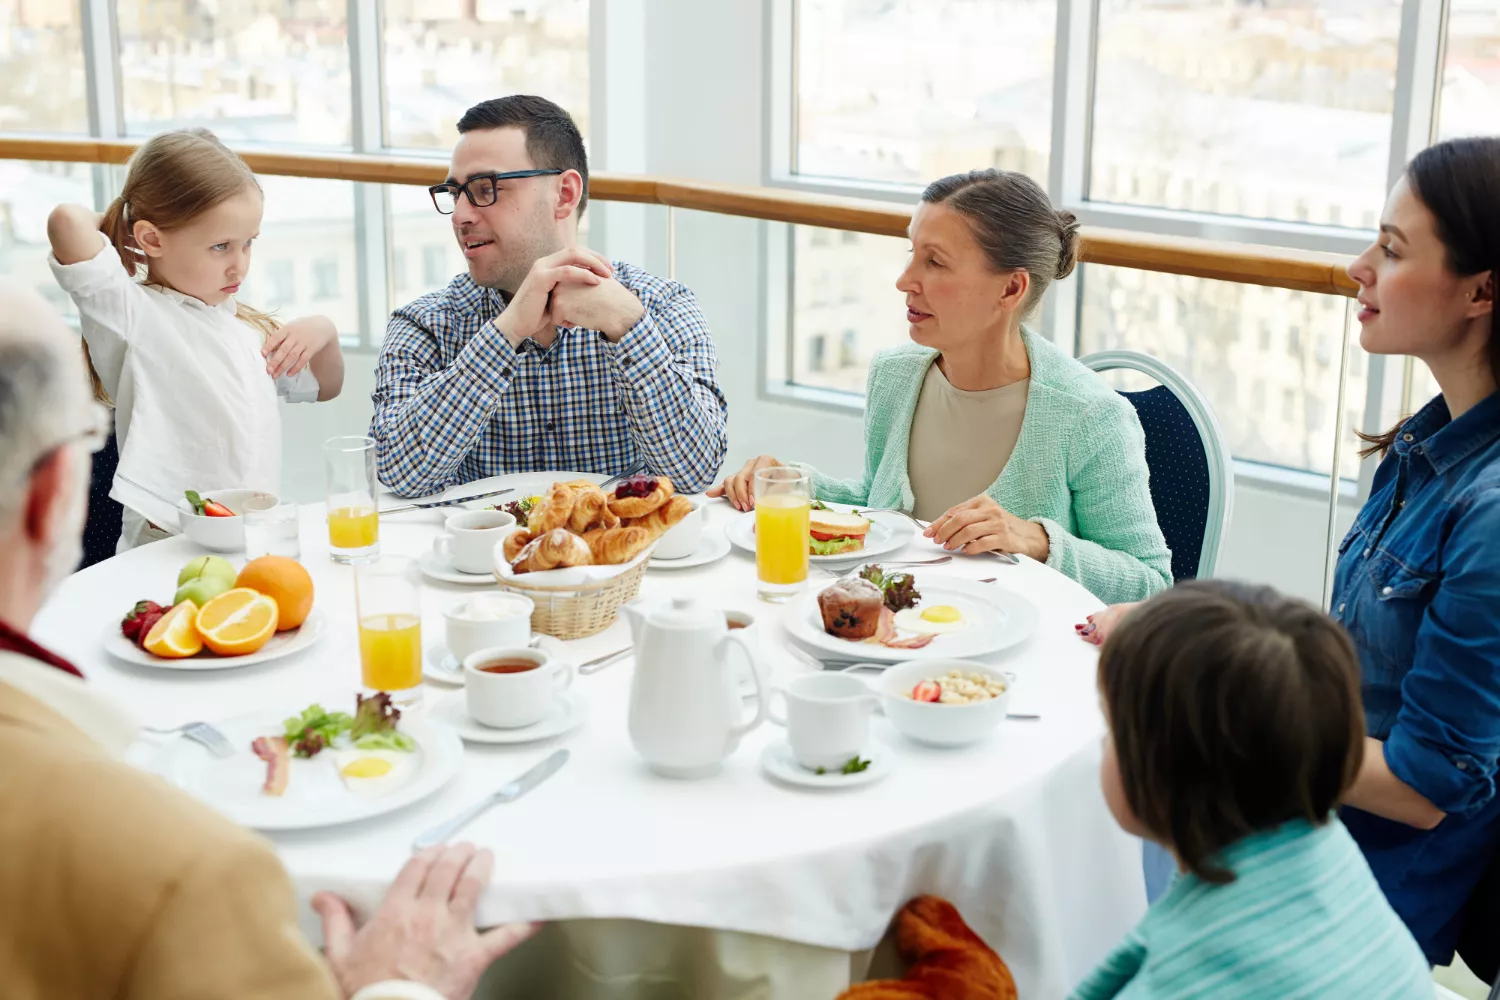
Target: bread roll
[(616, 546), (515, 542), (633, 506), (557, 549), (587, 509), (553, 510)]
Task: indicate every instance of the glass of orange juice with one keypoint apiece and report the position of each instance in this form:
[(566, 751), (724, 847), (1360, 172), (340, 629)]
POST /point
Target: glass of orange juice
[(783, 497), (353, 525), (388, 604)]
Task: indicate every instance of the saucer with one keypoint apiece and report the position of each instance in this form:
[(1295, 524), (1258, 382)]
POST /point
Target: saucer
[(777, 761), (436, 567), (711, 548), (442, 666), (568, 712)]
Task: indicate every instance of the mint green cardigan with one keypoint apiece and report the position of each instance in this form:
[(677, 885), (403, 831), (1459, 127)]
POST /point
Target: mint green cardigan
[(1078, 468)]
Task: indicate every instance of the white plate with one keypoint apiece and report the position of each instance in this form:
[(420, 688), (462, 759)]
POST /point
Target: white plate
[(442, 666), (281, 644), (712, 547), (315, 794), (998, 619), (436, 567), (888, 533), (568, 713), (779, 762)]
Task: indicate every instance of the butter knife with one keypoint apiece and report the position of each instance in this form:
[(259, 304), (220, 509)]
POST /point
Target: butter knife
[(507, 793), (445, 503)]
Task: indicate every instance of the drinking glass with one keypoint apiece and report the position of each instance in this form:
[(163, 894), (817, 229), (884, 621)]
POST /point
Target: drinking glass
[(353, 525), (388, 605), (272, 531), (783, 498)]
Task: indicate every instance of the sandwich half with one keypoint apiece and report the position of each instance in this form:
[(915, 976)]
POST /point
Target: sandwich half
[(834, 533)]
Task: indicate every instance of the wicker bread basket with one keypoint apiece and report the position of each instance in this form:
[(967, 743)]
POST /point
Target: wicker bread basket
[(579, 610)]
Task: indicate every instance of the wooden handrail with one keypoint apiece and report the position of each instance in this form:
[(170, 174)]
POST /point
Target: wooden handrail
[(1276, 267)]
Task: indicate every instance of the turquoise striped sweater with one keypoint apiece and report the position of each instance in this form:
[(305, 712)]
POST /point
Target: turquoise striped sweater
[(1304, 918)]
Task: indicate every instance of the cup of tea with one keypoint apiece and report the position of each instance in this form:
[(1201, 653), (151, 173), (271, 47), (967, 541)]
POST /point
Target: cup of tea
[(471, 537), (511, 687), (487, 621), (827, 718)]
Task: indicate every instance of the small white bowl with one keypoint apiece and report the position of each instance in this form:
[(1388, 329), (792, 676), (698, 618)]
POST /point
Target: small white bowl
[(224, 534), (934, 723), (681, 540)]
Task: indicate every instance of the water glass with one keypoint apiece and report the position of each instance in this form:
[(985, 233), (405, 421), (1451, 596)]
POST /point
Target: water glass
[(783, 502), (388, 606), (272, 531), (353, 525)]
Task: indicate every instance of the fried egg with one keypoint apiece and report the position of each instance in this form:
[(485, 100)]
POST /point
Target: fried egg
[(373, 773), (939, 619)]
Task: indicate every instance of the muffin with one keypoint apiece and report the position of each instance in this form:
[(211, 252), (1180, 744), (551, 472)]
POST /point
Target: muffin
[(851, 608)]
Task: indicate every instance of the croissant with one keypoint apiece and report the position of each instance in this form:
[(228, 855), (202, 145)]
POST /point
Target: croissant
[(608, 518), (587, 508), (557, 549), (628, 506), (553, 510), (659, 520), (614, 546), (515, 542)]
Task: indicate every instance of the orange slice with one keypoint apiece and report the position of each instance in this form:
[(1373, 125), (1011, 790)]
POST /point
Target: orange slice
[(237, 622), (174, 635)]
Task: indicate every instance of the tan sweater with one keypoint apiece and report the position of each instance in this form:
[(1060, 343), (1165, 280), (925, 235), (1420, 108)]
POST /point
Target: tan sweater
[(960, 441)]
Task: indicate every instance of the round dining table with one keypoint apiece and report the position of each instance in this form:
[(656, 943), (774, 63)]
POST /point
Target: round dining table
[(1013, 831)]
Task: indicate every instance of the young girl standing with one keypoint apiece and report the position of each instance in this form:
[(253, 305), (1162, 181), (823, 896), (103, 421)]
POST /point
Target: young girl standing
[(195, 376)]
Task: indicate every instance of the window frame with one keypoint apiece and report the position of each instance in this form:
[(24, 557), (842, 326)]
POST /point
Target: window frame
[(1413, 126)]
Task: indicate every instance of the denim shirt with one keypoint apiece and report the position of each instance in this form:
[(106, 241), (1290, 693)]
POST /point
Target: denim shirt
[(1418, 589)]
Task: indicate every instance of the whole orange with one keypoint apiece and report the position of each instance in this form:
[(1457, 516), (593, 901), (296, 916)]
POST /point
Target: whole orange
[(284, 581)]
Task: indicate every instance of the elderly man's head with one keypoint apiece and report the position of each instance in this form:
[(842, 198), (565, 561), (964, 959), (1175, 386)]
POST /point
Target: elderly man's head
[(46, 419)]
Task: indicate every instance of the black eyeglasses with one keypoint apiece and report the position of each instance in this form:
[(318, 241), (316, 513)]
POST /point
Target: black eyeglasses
[(480, 188)]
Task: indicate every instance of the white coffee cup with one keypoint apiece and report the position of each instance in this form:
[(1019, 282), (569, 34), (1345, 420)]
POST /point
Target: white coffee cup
[(827, 718), (471, 539), (681, 540), (513, 700), (486, 621)]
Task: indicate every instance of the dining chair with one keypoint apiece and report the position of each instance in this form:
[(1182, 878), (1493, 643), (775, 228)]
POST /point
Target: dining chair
[(1192, 479), (101, 532)]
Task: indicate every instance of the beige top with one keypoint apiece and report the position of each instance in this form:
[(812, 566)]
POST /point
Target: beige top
[(960, 441)]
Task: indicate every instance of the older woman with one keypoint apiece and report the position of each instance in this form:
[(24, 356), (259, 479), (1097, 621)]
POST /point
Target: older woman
[(1418, 578), (1001, 440)]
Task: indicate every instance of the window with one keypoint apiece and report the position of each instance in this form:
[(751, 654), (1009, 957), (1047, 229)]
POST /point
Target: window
[(442, 56), (435, 269), (41, 67), (1121, 308), (274, 71), (1272, 110), (1469, 103), (28, 191), (424, 239), (906, 91), (397, 276), (306, 238), (867, 308)]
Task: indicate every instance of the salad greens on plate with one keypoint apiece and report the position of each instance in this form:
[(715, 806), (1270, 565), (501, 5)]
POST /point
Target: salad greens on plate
[(371, 727)]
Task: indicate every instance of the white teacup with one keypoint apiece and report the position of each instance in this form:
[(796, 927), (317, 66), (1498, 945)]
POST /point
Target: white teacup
[(681, 540), (471, 539), (827, 718), (736, 620), (486, 621), (522, 695)]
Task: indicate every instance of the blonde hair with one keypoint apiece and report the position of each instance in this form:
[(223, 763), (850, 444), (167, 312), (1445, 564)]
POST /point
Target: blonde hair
[(169, 181)]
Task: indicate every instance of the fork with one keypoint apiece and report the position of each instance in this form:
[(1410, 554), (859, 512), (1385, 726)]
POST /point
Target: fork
[(201, 733), (1005, 557), (939, 561), (621, 477)]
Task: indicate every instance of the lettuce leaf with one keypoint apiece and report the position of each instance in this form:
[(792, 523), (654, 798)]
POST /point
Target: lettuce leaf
[(835, 546)]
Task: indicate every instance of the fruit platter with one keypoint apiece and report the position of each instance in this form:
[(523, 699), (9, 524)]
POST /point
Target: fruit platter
[(219, 617)]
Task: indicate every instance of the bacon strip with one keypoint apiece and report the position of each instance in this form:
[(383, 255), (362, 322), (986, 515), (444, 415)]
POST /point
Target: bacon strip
[(273, 750), (885, 633)]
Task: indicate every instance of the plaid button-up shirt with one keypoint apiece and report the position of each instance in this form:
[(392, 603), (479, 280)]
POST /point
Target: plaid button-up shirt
[(454, 402)]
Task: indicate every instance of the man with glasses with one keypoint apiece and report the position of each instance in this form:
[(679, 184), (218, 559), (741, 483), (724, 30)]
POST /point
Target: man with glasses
[(112, 883), (545, 355)]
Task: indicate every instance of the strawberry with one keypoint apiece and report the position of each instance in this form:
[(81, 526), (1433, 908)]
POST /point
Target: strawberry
[(927, 691), (135, 626), (212, 508)]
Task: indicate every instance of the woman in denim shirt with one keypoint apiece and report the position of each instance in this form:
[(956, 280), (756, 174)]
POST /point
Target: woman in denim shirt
[(1418, 578)]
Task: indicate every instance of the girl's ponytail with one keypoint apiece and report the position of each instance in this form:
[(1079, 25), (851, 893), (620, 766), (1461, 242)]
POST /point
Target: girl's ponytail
[(116, 229)]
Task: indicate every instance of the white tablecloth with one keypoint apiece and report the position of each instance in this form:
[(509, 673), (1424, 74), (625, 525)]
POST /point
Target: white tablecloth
[(1015, 832)]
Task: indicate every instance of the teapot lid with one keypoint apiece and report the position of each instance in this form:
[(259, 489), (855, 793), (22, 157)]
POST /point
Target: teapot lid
[(685, 612)]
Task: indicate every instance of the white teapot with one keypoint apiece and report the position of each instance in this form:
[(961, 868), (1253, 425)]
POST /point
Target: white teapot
[(686, 711)]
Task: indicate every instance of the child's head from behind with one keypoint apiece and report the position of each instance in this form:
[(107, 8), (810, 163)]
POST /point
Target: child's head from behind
[(1232, 709), (189, 210)]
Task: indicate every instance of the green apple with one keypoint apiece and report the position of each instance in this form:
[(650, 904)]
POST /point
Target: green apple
[(203, 579)]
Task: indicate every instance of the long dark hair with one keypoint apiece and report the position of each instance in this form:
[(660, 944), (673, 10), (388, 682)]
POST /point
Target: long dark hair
[(1459, 182)]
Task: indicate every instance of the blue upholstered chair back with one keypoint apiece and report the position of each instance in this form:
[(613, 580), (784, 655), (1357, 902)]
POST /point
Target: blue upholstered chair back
[(1192, 480), (101, 532)]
